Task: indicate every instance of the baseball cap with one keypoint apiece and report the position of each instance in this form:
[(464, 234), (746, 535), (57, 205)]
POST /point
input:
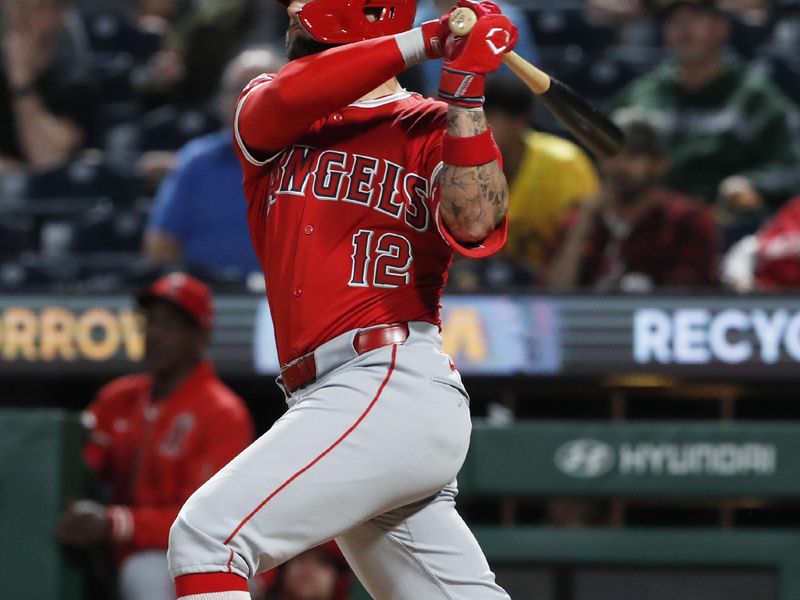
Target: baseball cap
[(642, 131), (184, 291)]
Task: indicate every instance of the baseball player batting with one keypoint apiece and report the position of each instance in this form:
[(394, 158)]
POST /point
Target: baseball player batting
[(359, 193)]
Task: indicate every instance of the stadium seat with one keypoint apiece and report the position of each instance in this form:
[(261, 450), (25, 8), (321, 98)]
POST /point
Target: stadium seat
[(109, 228), (111, 32), (56, 236), (119, 49), (170, 127), (17, 235), (167, 128), (112, 72), (89, 176), (747, 38), (786, 33), (783, 70), (31, 272), (778, 59), (556, 26)]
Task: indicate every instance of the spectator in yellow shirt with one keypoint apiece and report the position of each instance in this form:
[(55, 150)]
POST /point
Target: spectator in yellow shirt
[(546, 174)]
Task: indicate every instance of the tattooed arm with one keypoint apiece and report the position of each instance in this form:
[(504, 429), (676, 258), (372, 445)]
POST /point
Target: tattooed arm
[(473, 200)]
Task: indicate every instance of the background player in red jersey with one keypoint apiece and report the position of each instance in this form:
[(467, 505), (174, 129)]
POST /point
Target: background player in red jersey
[(359, 193), (156, 437)]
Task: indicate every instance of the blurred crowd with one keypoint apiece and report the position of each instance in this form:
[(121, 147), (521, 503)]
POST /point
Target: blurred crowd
[(117, 163), (116, 157)]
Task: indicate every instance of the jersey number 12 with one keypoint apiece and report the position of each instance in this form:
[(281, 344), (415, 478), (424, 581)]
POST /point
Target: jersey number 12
[(384, 263)]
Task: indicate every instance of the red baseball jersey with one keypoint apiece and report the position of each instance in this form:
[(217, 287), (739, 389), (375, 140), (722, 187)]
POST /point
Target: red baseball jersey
[(346, 220), (777, 263), (155, 454)]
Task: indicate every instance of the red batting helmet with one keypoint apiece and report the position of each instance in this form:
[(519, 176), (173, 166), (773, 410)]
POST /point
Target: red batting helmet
[(347, 21)]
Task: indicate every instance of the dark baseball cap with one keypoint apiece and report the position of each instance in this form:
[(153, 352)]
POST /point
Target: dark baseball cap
[(642, 136), (187, 293), (664, 7)]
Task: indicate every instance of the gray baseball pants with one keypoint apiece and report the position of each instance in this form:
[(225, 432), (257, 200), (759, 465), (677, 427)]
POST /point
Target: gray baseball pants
[(366, 454)]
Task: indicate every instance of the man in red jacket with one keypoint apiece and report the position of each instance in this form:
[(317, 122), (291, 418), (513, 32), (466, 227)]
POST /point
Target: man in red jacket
[(156, 437)]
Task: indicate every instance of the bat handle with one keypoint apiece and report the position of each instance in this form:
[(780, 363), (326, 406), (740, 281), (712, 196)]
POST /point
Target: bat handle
[(538, 80)]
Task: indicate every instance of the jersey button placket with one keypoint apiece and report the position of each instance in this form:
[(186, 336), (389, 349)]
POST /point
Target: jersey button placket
[(303, 254), (298, 291)]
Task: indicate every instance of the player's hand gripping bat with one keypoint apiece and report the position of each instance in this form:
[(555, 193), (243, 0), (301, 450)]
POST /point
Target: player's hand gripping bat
[(587, 124)]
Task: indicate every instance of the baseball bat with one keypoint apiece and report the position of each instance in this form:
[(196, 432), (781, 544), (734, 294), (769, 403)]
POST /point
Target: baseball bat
[(589, 126)]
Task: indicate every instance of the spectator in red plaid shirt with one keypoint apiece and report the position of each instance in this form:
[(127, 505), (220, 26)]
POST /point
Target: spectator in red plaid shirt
[(637, 235)]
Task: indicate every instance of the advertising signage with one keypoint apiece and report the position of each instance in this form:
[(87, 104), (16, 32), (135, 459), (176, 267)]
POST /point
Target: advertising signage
[(689, 459), (704, 337)]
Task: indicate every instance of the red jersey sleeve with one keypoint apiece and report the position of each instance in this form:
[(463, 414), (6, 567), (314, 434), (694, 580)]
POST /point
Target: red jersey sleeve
[(247, 156), (777, 261), (142, 527), (276, 110)]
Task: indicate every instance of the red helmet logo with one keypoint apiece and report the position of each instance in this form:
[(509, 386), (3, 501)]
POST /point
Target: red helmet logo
[(347, 21)]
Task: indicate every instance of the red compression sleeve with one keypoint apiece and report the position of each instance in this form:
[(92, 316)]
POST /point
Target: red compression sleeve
[(278, 112), (470, 151)]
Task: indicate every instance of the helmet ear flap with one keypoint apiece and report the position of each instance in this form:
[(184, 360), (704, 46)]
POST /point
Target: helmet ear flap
[(347, 21)]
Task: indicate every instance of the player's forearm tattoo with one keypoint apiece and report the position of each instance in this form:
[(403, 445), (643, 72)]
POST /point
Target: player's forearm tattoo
[(473, 200), (465, 123)]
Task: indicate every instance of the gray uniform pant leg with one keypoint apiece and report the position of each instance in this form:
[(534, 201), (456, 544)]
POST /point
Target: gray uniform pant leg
[(423, 550)]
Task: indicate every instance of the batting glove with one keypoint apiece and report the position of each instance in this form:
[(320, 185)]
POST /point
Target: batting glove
[(435, 34), (470, 57)]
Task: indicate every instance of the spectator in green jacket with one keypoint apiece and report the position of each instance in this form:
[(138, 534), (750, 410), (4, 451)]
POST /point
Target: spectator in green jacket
[(732, 135)]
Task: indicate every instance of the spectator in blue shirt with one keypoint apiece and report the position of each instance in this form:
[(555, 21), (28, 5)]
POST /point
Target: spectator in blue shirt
[(431, 70), (199, 214)]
